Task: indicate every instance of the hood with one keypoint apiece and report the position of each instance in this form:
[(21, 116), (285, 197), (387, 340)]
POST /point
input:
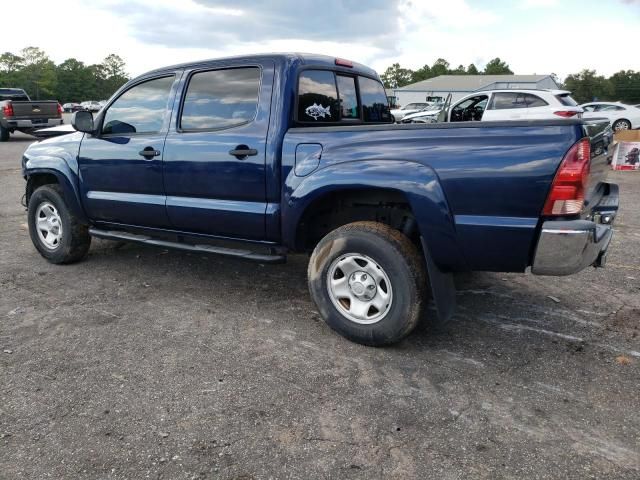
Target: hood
[(54, 131)]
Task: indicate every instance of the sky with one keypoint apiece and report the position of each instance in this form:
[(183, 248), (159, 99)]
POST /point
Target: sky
[(532, 36)]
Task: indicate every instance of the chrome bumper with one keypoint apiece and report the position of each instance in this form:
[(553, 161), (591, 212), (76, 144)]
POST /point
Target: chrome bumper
[(51, 122), (566, 247)]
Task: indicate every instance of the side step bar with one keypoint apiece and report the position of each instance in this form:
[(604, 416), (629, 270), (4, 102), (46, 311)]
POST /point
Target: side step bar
[(146, 240)]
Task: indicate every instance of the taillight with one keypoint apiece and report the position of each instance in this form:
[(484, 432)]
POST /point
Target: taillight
[(566, 113), (566, 196), (60, 110), (8, 110)]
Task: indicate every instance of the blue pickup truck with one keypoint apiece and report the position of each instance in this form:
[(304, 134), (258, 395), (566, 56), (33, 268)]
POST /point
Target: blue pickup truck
[(260, 156)]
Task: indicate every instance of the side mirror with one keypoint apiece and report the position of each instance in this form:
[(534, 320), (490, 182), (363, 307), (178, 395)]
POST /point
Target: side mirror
[(82, 121)]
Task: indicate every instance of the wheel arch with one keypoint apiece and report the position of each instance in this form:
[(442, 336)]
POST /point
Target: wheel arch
[(37, 177), (417, 185)]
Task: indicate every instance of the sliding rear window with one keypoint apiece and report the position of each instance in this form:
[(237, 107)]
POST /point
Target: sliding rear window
[(327, 97), (566, 100)]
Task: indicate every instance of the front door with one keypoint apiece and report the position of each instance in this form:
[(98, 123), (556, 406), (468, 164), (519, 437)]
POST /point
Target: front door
[(214, 155), (121, 166)]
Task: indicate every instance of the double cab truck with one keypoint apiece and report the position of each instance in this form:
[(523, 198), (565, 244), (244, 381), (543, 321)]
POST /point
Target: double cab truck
[(19, 113), (261, 156)]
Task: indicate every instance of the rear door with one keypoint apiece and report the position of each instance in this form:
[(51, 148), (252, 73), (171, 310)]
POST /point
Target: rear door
[(214, 162), (121, 166), (506, 106)]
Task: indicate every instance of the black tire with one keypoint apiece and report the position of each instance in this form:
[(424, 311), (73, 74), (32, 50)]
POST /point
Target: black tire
[(4, 134), (621, 124), (74, 241), (400, 261)]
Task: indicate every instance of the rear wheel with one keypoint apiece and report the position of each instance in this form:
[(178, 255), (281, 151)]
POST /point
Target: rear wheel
[(54, 230), (368, 282), (4, 134), (622, 124)]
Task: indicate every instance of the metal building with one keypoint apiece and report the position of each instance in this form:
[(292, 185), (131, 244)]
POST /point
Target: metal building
[(460, 85)]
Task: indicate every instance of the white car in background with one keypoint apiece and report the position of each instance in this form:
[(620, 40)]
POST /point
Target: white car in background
[(621, 116), (500, 105), (426, 115), (399, 113)]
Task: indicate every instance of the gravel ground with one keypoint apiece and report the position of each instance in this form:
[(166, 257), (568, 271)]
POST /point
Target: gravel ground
[(144, 363)]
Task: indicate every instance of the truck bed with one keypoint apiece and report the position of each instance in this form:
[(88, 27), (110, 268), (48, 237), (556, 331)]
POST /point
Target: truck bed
[(495, 176)]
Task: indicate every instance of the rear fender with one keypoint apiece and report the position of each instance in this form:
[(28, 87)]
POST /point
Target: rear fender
[(418, 183)]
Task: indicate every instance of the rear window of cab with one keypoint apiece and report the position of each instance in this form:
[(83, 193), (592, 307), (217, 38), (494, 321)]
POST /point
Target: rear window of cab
[(328, 97)]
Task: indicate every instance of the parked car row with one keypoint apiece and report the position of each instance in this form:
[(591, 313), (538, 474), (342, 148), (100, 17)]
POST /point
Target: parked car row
[(511, 104), (89, 106)]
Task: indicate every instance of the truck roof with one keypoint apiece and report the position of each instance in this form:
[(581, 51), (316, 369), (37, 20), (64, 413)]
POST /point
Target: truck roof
[(302, 58)]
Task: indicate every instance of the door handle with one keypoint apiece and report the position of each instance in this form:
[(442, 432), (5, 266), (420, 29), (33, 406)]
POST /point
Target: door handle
[(149, 152), (242, 151)]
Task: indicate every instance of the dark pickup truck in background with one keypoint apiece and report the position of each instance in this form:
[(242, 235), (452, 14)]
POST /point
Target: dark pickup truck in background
[(259, 156), (18, 112)]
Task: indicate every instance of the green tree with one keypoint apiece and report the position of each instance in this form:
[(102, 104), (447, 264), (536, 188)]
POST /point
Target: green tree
[(112, 74), (472, 70), (459, 71), (587, 86), (440, 67), (497, 67), (38, 75), (423, 73), (75, 81), (395, 76), (625, 86), (10, 67)]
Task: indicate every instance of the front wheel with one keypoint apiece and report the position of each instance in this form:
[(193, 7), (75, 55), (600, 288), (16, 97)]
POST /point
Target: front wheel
[(54, 230), (619, 125), (368, 282)]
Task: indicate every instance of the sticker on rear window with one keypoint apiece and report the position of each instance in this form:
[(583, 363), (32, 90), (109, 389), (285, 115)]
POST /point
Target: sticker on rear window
[(316, 111)]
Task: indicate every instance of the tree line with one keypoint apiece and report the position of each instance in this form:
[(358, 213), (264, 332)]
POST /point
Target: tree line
[(70, 81), (585, 86), (395, 76)]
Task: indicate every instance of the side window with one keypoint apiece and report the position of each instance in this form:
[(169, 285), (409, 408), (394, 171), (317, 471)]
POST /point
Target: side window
[(609, 108), (534, 101), (220, 99), (375, 105), (507, 100), (589, 108), (140, 109), (348, 97), (317, 97)]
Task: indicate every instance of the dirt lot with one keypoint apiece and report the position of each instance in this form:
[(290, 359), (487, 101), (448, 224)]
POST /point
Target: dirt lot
[(143, 363)]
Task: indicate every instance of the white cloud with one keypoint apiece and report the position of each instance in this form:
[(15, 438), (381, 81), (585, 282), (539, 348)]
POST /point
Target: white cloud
[(411, 32)]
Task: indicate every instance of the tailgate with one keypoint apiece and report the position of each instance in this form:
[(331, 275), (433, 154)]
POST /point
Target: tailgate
[(601, 136), (28, 110)]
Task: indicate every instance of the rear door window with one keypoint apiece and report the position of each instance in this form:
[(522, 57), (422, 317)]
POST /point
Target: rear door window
[(508, 100), (375, 106), (219, 99), (318, 97)]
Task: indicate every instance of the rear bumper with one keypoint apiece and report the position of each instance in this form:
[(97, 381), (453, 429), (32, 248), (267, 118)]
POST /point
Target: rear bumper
[(29, 124), (566, 247)]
